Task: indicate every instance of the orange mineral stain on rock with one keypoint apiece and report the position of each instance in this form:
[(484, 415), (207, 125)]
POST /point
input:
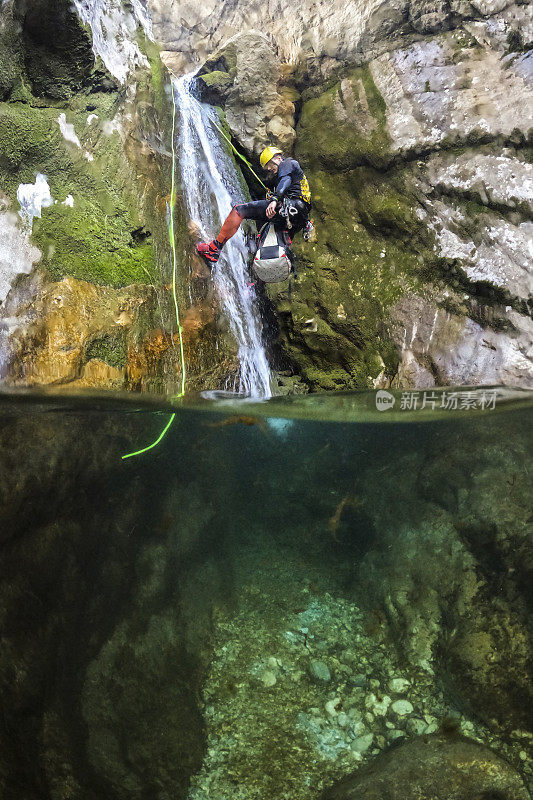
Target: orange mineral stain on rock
[(66, 318)]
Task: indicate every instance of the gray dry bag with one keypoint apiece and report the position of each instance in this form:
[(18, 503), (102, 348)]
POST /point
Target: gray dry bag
[(271, 262)]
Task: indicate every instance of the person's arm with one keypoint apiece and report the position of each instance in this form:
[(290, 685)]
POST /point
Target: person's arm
[(282, 187), (285, 175), (277, 197)]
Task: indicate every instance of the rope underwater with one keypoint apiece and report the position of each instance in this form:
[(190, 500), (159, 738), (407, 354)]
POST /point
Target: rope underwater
[(174, 295)]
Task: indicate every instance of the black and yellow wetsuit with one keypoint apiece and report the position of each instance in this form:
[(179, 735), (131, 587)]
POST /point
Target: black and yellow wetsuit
[(292, 182)]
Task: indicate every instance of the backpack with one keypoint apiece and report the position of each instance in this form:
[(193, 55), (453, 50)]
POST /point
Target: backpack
[(271, 263)]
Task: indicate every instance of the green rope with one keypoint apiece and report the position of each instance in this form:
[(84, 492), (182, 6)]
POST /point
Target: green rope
[(174, 294), (240, 155), (154, 444)]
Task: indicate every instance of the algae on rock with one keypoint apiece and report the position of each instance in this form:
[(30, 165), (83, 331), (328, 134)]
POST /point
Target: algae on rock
[(105, 153)]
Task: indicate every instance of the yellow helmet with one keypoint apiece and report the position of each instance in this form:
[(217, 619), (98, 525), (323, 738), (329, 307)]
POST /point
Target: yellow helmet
[(268, 154)]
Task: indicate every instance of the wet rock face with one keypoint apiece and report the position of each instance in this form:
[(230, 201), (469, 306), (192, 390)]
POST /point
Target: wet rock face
[(99, 676), (58, 55), (102, 155), (435, 768), (322, 36), (416, 153), (246, 77), (455, 300), (455, 580), (73, 332)]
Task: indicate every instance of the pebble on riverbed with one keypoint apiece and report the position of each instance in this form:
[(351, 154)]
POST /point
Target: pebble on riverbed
[(319, 671)]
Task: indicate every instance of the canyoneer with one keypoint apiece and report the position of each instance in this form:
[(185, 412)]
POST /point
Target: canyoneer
[(287, 208)]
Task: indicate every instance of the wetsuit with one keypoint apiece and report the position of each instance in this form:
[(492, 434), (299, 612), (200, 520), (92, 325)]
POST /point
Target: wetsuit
[(292, 185), (291, 188)]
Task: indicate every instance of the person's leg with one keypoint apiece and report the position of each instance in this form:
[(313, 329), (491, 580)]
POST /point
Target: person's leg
[(253, 210)]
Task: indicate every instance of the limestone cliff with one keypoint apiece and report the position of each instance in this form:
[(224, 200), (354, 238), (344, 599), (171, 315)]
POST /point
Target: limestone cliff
[(411, 119), (413, 122), (85, 181)]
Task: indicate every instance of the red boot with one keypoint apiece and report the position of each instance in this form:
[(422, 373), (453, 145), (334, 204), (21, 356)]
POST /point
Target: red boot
[(209, 251)]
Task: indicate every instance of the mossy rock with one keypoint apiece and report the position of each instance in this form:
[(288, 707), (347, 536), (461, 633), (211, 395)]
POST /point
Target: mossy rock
[(56, 50), (82, 243), (224, 60), (214, 87), (434, 767), (111, 349), (26, 140), (92, 240), (345, 126), (370, 249)]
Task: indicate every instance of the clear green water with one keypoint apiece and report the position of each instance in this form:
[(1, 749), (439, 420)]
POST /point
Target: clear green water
[(272, 598)]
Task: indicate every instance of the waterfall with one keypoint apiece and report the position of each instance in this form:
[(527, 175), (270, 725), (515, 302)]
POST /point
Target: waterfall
[(211, 188)]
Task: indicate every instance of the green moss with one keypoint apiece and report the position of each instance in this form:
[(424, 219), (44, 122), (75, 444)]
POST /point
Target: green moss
[(157, 84), (25, 143), (382, 206), (217, 80), (224, 60), (345, 126), (91, 241), (370, 250), (111, 349), (88, 245)]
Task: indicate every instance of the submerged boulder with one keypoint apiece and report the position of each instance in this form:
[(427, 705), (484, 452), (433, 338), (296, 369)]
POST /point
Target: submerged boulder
[(433, 768)]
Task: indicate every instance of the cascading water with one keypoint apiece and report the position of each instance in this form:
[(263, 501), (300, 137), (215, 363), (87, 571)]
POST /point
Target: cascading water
[(211, 188)]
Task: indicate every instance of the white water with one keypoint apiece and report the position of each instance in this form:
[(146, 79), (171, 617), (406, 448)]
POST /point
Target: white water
[(32, 198), (114, 29), (211, 187)]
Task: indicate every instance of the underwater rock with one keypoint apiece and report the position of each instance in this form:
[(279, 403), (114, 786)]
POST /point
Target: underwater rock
[(402, 707), (362, 743), (106, 657), (398, 685), (378, 705), (268, 678), (485, 652), (451, 573), (319, 671), (435, 768)]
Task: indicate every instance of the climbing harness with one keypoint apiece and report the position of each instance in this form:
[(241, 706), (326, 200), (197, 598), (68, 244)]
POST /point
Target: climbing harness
[(174, 293), (287, 210)]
